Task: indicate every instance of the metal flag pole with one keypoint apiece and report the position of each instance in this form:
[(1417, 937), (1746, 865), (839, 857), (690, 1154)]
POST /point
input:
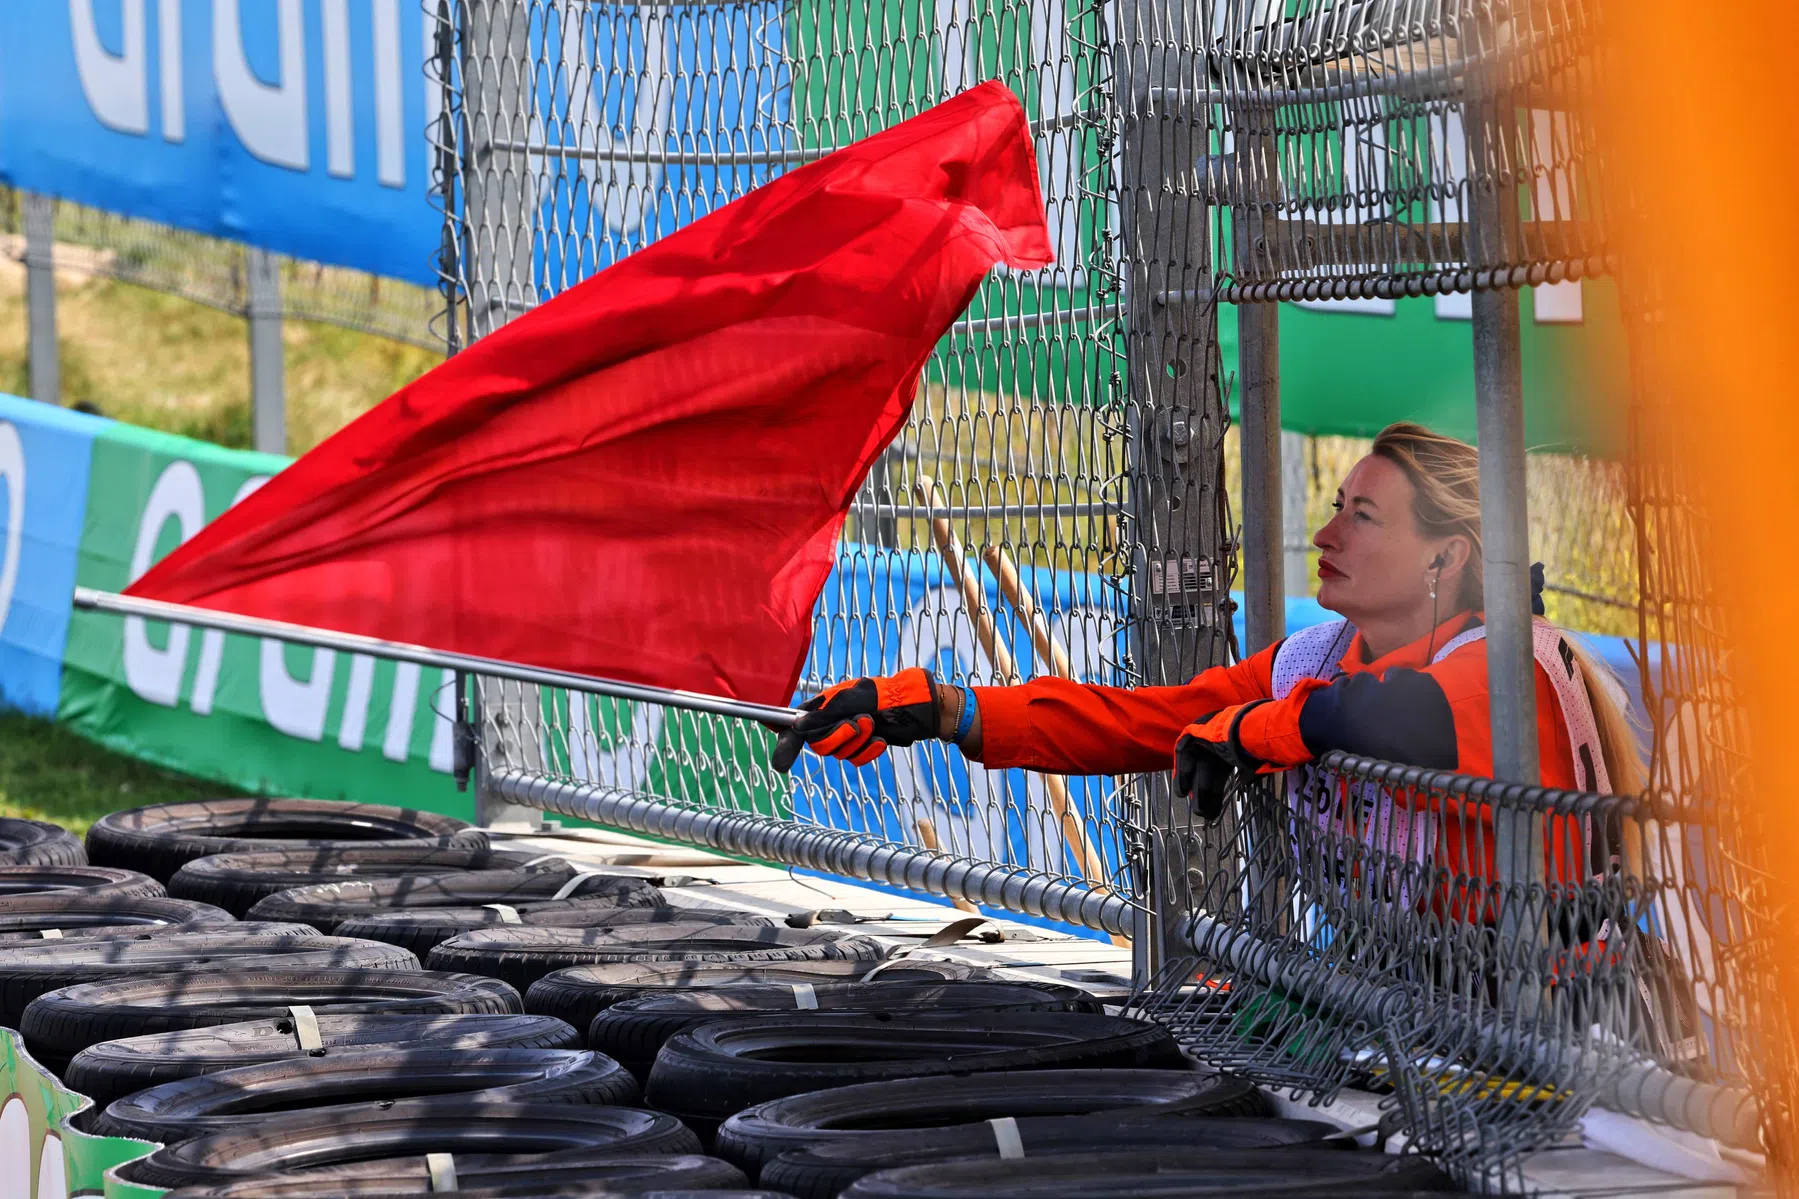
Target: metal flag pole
[(88, 599)]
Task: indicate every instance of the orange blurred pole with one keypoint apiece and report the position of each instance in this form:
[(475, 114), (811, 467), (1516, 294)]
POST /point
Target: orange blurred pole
[(1699, 119)]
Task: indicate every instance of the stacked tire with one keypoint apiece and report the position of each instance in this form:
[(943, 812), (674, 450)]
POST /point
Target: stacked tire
[(304, 999)]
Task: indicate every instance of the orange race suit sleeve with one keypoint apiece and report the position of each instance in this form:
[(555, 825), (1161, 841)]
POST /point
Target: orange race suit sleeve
[(1061, 727)]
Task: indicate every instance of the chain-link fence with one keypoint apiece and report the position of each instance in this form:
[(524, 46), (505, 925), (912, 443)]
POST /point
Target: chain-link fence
[(992, 543), (1493, 957)]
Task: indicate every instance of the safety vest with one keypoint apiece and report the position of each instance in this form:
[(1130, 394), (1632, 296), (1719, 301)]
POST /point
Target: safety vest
[(1410, 833)]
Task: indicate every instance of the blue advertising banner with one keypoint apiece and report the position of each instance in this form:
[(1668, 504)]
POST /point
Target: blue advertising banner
[(45, 454), (295, 125)]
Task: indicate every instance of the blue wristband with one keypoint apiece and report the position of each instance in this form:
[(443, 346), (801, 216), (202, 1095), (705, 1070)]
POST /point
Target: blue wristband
[(966, 721)]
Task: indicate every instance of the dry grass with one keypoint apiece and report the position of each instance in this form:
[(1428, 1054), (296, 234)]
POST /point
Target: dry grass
[(153, 359)]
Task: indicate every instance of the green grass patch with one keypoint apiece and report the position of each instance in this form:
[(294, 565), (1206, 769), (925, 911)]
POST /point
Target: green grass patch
[(50, 773)]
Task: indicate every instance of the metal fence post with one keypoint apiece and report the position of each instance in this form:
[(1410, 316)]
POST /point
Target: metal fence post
[(498, 185), (1297, 531), (1179, 622), (1259, 395), (40, 297), (1258, 373), (268, 381), (1518, 834), (497, 191)]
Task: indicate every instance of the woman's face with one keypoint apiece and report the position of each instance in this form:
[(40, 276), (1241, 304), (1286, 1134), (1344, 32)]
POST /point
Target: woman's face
[(1375, 564)]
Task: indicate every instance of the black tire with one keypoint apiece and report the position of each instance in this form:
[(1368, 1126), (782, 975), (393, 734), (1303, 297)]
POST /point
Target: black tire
[(62, 1023), (603, 1175), (521, 956), (36, 843), (712, 1072), (228, 1099), (29, 969), (160, 838), (579, 993), (410, 1127), (825, 1170), (1155, 1174), (635, 1030), (29, 882), (114, 1069), (326, 905), (424, 930), (78, 915), (235, 881), (814, 1119)]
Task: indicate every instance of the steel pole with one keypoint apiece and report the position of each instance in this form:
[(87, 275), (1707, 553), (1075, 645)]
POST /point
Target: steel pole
[(268, 371), (1264, 573), (40, 297), (1505, 550), (1298, 533), (500, 211), (87, 599)]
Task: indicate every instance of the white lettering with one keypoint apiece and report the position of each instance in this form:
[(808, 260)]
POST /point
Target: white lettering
[(390, 115), (168, 41), (116, 85), (270, 119), (443, 713), (398, 741), (340, 138), (154, 675), (212, 642), (12, 469), (295, 706), (624, 760), (356, 703)]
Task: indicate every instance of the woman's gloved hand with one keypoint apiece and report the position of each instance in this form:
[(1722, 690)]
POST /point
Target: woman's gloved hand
[(857, 720), (1207, 758)]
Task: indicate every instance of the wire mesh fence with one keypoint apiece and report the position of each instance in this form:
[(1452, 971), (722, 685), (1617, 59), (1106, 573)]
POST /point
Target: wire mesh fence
[(992, 544), (214, 272), (1367, 935), (1367, 146)]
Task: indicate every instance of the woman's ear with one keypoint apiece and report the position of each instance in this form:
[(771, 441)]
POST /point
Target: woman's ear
[(1455, 553)]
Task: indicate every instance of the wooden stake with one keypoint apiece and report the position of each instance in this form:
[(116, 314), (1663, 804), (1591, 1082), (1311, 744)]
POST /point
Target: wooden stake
[(986, 632)]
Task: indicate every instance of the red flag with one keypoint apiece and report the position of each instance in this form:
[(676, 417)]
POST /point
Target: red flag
[(645, 478)]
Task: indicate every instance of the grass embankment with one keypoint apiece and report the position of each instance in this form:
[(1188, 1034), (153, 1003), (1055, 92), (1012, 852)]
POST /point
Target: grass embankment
[(168, 363), (50, 773)]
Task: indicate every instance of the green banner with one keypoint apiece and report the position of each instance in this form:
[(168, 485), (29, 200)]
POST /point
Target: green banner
[(250, 712), (41, 1157)]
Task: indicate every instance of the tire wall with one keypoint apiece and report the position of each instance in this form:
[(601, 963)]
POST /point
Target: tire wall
[(41, 1157)]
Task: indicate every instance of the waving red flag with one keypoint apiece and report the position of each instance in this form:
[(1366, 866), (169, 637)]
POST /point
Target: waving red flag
[(645, 478)]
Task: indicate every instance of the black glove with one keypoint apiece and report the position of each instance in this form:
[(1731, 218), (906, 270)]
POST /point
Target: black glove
[(1203, 774), (857, 720), (1206, 766)]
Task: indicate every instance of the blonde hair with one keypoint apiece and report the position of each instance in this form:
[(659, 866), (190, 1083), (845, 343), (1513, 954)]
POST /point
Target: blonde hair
[(1445, 478)]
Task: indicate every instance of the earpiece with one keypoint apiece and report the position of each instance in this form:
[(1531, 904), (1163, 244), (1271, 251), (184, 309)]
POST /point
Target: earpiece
[(1439, 562)]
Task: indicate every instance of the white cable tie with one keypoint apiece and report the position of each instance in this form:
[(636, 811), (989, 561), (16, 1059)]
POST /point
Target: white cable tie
[(805, 998), (508, 913), (50, 934), (306, 1027), (572, 884), (442, 1168), (542, 857), (1005, 1135)]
